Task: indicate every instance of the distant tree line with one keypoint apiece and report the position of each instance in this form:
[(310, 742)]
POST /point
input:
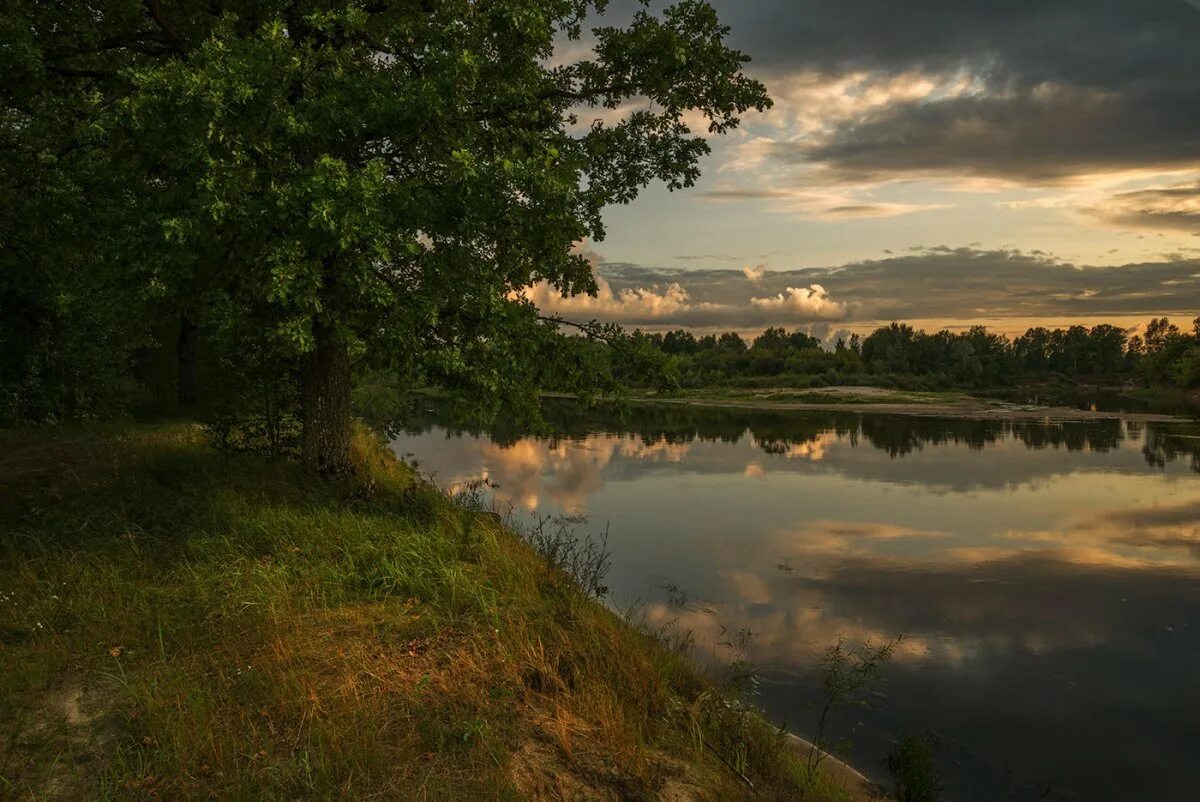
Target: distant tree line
[(901, 356)]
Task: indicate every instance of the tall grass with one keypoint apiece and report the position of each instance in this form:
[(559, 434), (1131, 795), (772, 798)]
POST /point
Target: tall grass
[(181, 623)]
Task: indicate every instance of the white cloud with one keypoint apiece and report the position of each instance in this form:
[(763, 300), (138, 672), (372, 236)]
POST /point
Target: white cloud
[(754, 274), (645, 304), (639, 303), (935, 286), (803, 304), (812, 106)]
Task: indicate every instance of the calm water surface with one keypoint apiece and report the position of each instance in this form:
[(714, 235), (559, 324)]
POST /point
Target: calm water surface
[(1046, 577)]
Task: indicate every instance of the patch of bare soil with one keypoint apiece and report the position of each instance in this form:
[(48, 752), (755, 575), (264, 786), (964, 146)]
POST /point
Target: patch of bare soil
[(859, 390), (540, 771), (54, 749)]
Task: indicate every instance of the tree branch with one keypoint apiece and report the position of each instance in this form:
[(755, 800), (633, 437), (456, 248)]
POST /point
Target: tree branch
[(141, 43), (593, 329), (71, 72), (169, 33), (561, 93)]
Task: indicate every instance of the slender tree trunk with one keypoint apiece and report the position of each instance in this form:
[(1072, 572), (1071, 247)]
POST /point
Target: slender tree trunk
[(185, 348), (325, 397)]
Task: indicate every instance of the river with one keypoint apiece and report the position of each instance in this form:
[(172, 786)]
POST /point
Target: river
[(1045, 577)]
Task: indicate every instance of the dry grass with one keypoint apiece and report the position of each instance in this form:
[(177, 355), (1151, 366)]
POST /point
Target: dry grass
[(179, 623)]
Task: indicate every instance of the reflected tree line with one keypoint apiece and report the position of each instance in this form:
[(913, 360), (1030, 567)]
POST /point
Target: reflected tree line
[(1163, 446), (775, 432)]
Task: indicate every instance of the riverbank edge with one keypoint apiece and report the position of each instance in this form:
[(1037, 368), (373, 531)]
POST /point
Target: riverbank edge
[(974, 409), (969, 407), (857, 784), (85, 495)]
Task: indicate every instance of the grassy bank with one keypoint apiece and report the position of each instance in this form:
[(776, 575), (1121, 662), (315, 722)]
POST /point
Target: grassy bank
[(179, 623)]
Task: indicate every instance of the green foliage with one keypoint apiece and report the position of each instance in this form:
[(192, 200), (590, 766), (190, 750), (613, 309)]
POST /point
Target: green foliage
[(900, 356), (848, 677), (187, 624), (65, 351), (1186, 370), (1166, 358), (914, 773), (584, 558), (391, 175), (70, 326), (637, 361), (274, 436), (256, 406)]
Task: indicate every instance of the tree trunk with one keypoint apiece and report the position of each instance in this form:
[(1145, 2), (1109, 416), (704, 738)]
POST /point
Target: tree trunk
[(185, 349), (325, 397)]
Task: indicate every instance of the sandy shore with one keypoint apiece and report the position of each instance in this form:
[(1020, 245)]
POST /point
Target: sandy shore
[(967, 408), (858, 787)]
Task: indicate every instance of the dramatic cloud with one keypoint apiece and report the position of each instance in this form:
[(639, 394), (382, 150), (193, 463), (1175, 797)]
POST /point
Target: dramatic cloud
[(1071, 125), (1173, 208), (650, 304), (629, 305), (662, 300), (938, 282), (820, 102), (1045, 135), (1031, 92), (963, 95), (663, 304), (803, 304)]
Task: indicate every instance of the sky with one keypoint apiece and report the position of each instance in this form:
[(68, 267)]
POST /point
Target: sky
[(943, 162)]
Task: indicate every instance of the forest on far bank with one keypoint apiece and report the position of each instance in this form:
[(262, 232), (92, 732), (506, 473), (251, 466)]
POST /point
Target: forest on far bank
[(247, 388), (1163, 356)]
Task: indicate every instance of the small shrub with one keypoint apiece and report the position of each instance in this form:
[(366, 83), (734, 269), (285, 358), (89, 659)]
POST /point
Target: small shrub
[(848, 678), (914, 773), (275, 435), (585, 559)]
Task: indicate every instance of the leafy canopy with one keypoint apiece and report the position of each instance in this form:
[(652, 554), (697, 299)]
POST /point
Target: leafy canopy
[(395, 171)]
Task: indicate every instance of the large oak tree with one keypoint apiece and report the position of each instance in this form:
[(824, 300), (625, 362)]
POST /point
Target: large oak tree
[(380, 180)]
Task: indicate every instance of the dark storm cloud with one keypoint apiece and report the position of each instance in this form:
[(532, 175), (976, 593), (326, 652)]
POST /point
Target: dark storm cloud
[(1024, 138), (1048, 40), (942, 282), (1066, 86)]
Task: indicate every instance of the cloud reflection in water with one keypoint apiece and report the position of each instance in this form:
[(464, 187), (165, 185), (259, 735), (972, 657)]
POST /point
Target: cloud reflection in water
[(1046, 577)]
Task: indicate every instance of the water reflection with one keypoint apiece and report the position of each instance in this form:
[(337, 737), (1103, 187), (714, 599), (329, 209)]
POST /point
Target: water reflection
[(1047, 577)]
